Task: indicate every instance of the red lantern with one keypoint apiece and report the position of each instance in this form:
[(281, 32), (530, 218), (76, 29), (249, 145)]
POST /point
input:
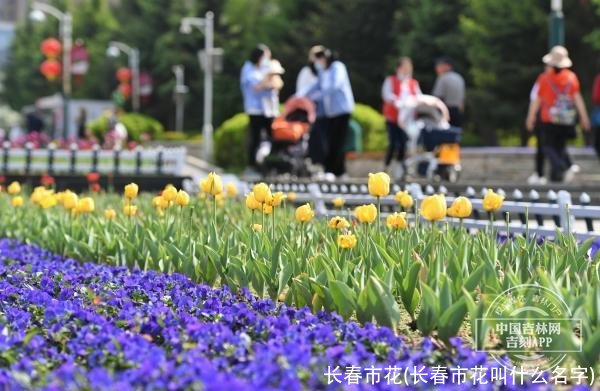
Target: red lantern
[(51, 69), (51, 47), (125, 90), (123, 75)]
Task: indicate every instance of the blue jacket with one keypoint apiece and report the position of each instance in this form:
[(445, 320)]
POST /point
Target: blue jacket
[(336, 91), (250, 76)]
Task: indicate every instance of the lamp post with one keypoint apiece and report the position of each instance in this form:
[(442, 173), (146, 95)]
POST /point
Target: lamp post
[(206, 25), (180, 90), (556, 24), (133, 54), (38, 12)]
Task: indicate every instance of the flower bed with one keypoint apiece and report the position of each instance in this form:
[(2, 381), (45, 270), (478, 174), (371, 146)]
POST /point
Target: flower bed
[(68, 325)]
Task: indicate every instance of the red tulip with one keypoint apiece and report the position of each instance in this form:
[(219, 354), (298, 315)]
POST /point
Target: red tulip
[(93, 177)]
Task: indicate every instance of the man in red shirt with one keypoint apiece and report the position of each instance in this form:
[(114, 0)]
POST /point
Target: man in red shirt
[(559, 102)]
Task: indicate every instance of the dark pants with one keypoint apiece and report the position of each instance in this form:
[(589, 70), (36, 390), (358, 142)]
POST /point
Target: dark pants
[(258, 123), (318, 145), (396, 142), (337, 133), (539, 154), (554, 143), (596, 133), (456, 116)]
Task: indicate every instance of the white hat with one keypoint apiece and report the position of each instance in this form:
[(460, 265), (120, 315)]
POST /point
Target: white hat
[(276, 68), (558, 58)]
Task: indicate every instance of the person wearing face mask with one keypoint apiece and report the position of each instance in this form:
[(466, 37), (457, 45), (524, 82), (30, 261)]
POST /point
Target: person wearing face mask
[(317, 143), (257, 89), (396, 89), (335, 92)]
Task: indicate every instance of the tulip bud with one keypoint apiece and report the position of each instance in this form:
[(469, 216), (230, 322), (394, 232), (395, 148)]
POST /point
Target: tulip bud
[(212, 184), (130, 210), (251, 202), (14, 188), (404, 199), (338, 202), (366, 213), (338, 222), (261, 192), (17, 201), (304, 213), (346, 241), (169, 193), (433, 207), (379, 184), (110, 214), (131, 190), (492, 201), (461, 208), (182, 198), (397, 221)]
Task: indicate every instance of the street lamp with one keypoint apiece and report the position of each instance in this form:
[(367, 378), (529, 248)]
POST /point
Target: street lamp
[(206, 25), (180, 90), (38, 13), (556, 24), (114, 49)]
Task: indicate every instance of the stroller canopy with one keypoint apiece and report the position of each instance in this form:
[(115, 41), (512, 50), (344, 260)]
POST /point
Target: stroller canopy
[(295, 104)]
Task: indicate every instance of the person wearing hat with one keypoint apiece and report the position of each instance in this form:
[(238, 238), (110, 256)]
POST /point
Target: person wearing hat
[(558, 102), (449, 86)]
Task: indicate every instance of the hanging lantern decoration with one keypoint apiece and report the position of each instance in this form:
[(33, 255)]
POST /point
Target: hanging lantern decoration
[(51, 47), (125, 90), (79, 61), (51, 69), (123, 75)]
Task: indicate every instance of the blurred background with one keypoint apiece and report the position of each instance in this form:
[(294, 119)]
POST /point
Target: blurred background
[(497, 46)]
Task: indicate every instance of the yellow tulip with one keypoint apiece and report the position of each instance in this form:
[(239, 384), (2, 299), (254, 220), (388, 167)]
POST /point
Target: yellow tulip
[(461, 207), (14, 188), (366, 213), (338, 222), (130, 210), (433, 207), (261, 192), (404, 199), (69, 200), (39, 193), (48, 201), (182, 198), (492, 201), (277, 198), (212, 184), (292, 196), (346, 241), (338, 202), (267, 209), (251, 202), (17, 201), (131, 190), (169, 193), (304, 213), (397, 221), (256, 227), (110, 214), (85, 205), (379, 184), (231, 190), (156, 201)]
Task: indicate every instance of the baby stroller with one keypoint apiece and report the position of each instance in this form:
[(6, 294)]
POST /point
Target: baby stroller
[(289, 139), (425, 120)]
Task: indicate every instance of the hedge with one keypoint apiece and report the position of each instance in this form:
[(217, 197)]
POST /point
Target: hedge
[(135, 123)]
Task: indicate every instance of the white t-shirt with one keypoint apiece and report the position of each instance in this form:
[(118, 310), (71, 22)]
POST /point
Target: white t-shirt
[(306, 79)]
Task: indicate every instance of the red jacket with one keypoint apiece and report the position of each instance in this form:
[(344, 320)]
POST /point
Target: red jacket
[(390, 112)]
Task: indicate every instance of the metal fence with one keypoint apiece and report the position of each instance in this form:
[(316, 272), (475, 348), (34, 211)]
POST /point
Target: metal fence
[(526, 214), (139, 161)]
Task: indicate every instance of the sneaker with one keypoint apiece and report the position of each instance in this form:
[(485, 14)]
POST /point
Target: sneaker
[(534, 179), (575, 168), (570, 173), (542, 181)]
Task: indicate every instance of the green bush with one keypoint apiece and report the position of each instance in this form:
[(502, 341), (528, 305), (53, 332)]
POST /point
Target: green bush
[(374, 134), (135, 123), (230, 142)]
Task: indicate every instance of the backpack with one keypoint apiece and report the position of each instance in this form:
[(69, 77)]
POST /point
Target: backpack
[(562, 111)]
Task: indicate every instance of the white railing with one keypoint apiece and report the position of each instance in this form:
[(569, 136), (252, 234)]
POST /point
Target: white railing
[(139, 161)]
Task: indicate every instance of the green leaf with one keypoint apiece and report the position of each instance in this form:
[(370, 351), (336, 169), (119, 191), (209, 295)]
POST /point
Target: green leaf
[(344, 298)]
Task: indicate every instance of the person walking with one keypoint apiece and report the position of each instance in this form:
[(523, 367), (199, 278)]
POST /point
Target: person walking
[(538, 178), (338, 103), (396, 89), (318, 144), (559, 102), (258, 96), (449, 86)]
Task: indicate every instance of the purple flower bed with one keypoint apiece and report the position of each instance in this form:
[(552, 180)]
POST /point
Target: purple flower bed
[(68, 325)]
